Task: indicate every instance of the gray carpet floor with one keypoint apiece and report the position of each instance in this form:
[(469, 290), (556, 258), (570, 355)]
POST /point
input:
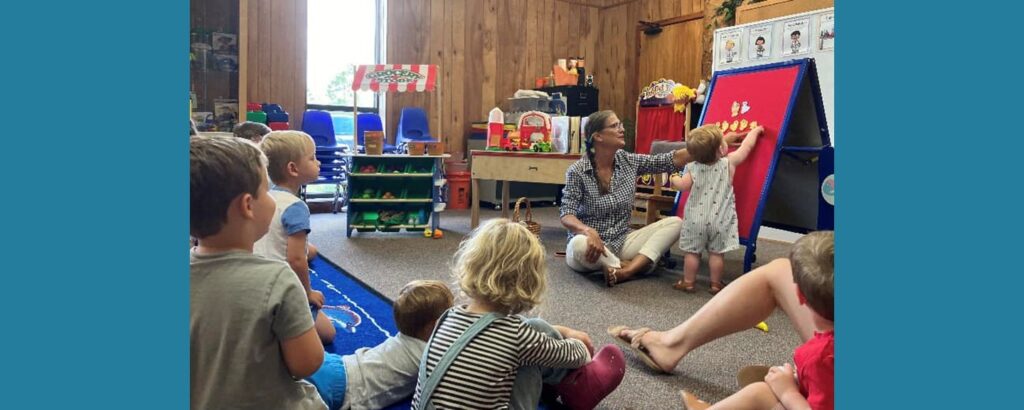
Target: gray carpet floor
[(386, 261)]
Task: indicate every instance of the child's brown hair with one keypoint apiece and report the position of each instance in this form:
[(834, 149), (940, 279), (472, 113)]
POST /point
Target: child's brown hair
[(703, 143), (420, 303), (221, 169), (813, 259)]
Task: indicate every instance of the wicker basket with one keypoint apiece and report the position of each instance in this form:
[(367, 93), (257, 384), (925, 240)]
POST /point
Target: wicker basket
[(528, 222)]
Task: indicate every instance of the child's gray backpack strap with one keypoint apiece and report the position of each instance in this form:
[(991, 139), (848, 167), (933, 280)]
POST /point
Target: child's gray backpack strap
[(429, 384)]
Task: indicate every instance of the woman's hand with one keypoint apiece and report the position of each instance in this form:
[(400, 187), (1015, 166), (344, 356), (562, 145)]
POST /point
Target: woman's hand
[(595, 246)]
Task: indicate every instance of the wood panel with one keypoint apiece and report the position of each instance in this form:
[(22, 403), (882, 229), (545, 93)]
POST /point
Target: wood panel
[(750, 13), (674, 54), (614, 68), (487, 50), (273, 63)]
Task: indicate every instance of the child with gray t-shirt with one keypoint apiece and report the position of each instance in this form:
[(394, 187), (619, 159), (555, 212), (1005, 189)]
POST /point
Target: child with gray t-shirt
[(374, 378), (250, 329)]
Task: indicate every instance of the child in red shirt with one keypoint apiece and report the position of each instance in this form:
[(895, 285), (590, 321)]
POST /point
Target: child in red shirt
[(810, 385)]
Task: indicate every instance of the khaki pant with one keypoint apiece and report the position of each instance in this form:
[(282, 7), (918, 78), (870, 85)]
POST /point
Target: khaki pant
[(651, 241)]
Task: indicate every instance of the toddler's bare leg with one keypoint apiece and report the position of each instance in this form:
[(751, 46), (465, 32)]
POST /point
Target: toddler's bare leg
[(756, 396), (691, 263)]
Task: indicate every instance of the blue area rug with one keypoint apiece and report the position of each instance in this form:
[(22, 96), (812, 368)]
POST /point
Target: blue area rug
[(362, 316)]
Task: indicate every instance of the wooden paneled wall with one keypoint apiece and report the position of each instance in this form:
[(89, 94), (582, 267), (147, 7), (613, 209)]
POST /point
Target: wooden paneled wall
[(749, 13), (272, 55), (617, 63), (487, 49)]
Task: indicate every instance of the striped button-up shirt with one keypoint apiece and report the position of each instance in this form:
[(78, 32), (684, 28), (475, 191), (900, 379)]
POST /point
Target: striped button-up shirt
[(608, 214)]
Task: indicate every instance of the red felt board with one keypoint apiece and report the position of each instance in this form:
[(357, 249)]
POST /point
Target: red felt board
[(768, 94)]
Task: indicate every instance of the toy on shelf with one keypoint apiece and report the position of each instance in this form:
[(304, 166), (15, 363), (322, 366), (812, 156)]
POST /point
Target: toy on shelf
[(534, 127), (495, 129)]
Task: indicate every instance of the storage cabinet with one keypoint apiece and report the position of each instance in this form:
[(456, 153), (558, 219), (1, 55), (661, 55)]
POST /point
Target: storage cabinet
[(580, 101), (389, 193)]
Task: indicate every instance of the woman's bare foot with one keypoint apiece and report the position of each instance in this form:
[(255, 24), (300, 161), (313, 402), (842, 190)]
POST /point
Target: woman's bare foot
[(651, 343)]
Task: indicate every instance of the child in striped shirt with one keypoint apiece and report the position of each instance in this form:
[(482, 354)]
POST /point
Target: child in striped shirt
[(709, 218), (484, 355)]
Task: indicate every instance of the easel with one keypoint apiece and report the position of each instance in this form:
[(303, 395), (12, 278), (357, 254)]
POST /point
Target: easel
[(792, 158)]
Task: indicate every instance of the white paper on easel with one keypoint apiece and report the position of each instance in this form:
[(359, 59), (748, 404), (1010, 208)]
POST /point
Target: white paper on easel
[(560, 134)]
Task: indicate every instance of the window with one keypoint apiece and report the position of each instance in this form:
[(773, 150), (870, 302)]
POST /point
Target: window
[(340, 34)]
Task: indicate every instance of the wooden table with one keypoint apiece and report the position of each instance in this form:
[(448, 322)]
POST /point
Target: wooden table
[(503, 166)]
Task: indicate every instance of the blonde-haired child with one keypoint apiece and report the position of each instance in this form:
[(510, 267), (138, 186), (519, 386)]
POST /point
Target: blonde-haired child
[(292, 162), (709, 221), (488, 349)]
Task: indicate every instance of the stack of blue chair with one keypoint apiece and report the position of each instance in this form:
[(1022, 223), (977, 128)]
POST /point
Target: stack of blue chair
[(333, 160)]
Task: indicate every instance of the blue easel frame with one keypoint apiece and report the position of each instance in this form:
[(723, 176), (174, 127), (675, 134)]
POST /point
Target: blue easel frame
[(807, 67)]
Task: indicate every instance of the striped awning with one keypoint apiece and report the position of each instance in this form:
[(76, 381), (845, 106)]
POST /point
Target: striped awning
[(395, 77)]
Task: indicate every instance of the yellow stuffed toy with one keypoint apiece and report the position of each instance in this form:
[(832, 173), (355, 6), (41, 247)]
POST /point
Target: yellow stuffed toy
[(683, 95)]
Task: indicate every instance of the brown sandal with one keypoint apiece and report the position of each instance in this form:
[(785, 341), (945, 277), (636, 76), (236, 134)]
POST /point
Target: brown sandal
[(635, 345), (716, 287), (683, 285)]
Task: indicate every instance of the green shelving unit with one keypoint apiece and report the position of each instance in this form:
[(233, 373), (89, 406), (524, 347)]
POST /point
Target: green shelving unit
[(414, 183)]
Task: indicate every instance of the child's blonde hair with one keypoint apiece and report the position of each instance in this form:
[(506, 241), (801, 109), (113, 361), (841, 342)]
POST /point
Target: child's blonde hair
[(282, 147), (703, 142), (813, 259), (419, 303), (502, 263)]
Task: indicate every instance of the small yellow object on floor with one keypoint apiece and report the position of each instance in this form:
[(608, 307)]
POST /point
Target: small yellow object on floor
[(763, 326), (427, 233)]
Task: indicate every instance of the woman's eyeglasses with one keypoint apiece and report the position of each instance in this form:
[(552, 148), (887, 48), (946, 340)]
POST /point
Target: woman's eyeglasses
[(616, 125)]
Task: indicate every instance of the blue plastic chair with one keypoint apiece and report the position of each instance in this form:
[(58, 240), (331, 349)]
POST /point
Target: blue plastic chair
[(413, 126), (371, 122), (319, 125)]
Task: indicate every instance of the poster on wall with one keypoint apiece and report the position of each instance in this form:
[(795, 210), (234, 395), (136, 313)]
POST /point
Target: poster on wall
[(730, 43), (826, 31), (759, 42), (795, 37)]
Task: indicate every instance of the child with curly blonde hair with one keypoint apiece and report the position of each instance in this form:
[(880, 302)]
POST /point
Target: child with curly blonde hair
[(485, 355)]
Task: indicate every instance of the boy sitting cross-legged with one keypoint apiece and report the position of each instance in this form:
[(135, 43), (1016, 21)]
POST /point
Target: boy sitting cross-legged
[(251, 335), (292, 163)]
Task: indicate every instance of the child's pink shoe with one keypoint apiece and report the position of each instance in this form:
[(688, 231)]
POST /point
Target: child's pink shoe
[(585, 387)]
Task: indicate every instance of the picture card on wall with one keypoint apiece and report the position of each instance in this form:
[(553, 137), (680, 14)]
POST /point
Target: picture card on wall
[(827, 31), (795, 37), (759, 42), (730, 45)]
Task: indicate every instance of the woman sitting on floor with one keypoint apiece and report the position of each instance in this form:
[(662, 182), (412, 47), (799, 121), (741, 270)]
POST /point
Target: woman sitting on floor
[(597, 204)]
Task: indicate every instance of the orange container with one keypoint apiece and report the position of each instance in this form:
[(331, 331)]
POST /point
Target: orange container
[(417, 147), (458, 189), (374, 142), (435, 148)]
